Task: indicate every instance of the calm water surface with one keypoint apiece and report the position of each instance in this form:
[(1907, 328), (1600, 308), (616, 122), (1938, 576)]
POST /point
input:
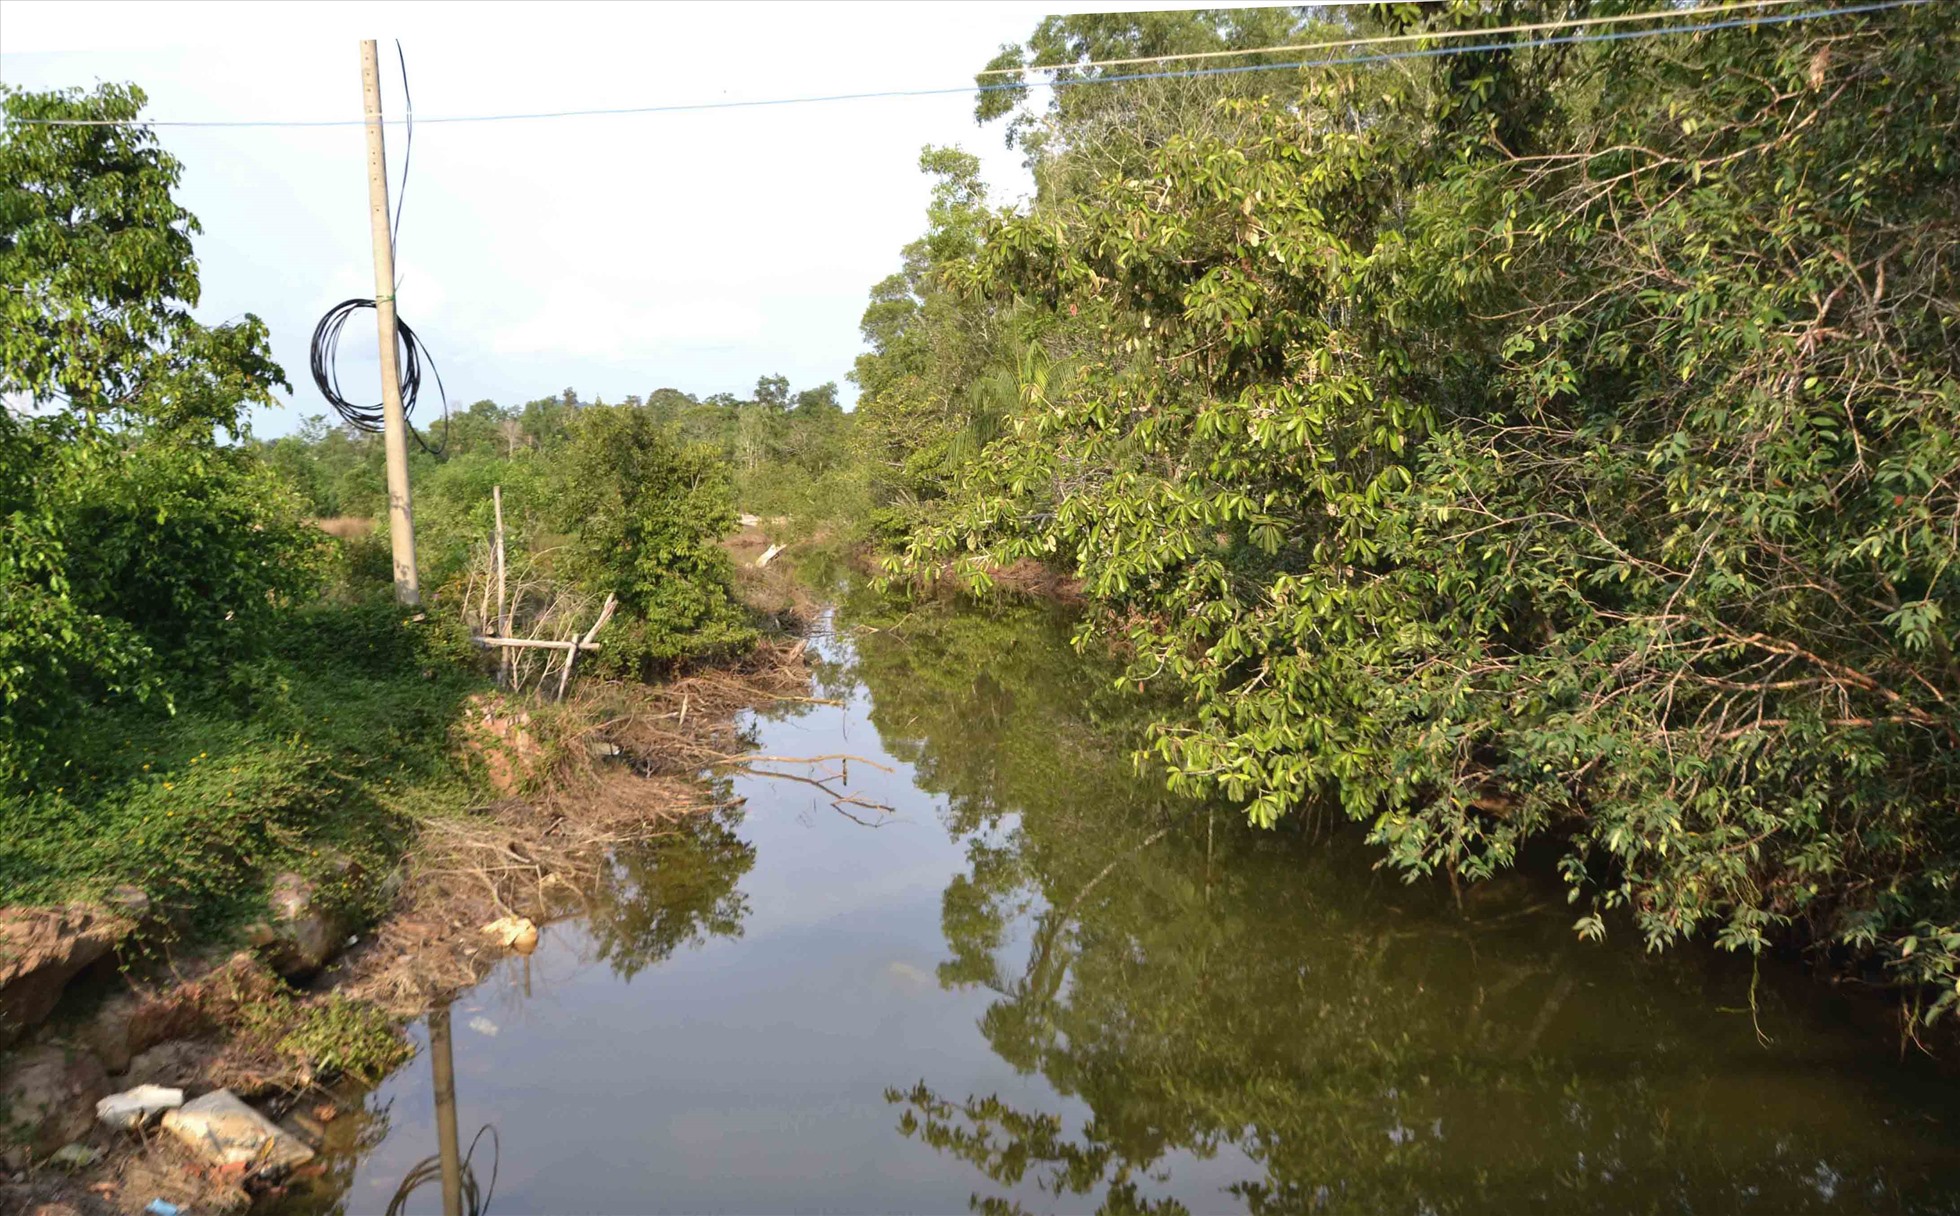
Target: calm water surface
[(1040, 982)]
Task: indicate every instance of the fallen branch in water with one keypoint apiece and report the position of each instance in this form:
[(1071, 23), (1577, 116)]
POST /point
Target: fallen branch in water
[(843, 756)]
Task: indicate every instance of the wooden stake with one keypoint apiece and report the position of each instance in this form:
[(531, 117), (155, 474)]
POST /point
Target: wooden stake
[(504, 660), (401, 515)]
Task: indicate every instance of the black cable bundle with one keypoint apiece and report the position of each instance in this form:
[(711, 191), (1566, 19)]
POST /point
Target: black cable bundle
[(409, 353)]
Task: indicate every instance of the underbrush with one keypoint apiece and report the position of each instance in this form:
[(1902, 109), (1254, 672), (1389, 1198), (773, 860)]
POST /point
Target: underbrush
[(314, 756), (319, 1037)]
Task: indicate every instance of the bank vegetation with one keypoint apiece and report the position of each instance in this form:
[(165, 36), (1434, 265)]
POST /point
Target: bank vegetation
[(1549, 443)]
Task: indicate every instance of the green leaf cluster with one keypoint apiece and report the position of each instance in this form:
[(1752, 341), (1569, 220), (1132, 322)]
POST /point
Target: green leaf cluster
[(646, 512)]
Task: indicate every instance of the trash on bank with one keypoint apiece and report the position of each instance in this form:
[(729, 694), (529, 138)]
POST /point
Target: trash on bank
[(132, 1108), (516, 932), (224, 1131)]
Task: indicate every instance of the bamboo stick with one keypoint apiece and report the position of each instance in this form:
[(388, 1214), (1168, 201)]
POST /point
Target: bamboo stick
[(605, 614)]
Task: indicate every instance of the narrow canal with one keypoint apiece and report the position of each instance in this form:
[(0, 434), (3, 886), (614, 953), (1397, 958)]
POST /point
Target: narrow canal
[(1038, 983)]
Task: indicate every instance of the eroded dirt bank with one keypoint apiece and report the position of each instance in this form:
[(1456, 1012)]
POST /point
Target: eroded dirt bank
[(312, 996)]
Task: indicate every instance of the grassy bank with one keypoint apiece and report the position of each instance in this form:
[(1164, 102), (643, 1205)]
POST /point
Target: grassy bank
[(317, 754)]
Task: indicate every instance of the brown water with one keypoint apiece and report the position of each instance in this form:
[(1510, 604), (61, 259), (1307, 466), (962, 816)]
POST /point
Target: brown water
[(1040, 982)]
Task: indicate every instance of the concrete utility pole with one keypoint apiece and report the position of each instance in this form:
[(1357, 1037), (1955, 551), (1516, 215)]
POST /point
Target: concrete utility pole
[(401, 514)]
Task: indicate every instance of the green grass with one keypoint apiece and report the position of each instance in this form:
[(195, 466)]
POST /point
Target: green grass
[(325, 747)]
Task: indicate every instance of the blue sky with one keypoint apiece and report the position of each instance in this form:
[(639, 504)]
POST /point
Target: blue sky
[(615, 254)]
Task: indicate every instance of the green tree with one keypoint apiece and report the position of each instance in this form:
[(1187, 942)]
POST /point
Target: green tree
[(1527, 447), (918, 413), (132, 546), (1085, 135), (772, 393), (645, 513)]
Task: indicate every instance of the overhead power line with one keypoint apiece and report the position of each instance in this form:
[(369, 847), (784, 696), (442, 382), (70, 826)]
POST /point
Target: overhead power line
[(1390, 39), (1076, 82)]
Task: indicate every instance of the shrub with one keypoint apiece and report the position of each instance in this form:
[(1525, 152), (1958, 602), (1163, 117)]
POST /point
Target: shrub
[(645, 513)]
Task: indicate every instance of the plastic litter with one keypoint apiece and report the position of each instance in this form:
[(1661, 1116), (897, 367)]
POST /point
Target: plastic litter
[(132, 1108), (516, 932), (223, 1130)]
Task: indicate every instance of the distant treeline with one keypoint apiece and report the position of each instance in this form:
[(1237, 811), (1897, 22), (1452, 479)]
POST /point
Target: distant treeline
[(338, 471), (629, 497)]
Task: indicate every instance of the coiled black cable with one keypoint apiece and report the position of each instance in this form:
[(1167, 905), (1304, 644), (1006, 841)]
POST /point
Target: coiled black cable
[(476, 1202), (409, 355), (409, 351)]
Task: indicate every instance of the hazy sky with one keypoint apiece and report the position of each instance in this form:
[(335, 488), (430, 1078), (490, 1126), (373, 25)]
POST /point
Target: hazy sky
[(612, 254)]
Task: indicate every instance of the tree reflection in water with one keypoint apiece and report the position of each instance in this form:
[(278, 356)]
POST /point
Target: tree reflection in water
[(677, 889), (1360, 1044)]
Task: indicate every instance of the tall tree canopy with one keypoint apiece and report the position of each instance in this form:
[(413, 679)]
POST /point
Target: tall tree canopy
[(1551, 441)]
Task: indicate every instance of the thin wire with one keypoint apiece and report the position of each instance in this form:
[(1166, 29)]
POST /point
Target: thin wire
[(1343, 61), (408, 150), (1427, 53), (1385, 39)]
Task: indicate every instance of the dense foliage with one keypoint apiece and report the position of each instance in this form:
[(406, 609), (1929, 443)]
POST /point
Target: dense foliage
[(1550, 442), (632, 498), (138, 555), (646, 513), (787, 454), (177, 709)]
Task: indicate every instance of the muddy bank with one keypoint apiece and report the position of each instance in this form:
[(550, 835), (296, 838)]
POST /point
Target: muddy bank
[(316, 996)]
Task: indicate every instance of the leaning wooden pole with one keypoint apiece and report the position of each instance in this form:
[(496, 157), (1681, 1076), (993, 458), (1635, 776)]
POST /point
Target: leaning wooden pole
[(585, 643), (401, 514)]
